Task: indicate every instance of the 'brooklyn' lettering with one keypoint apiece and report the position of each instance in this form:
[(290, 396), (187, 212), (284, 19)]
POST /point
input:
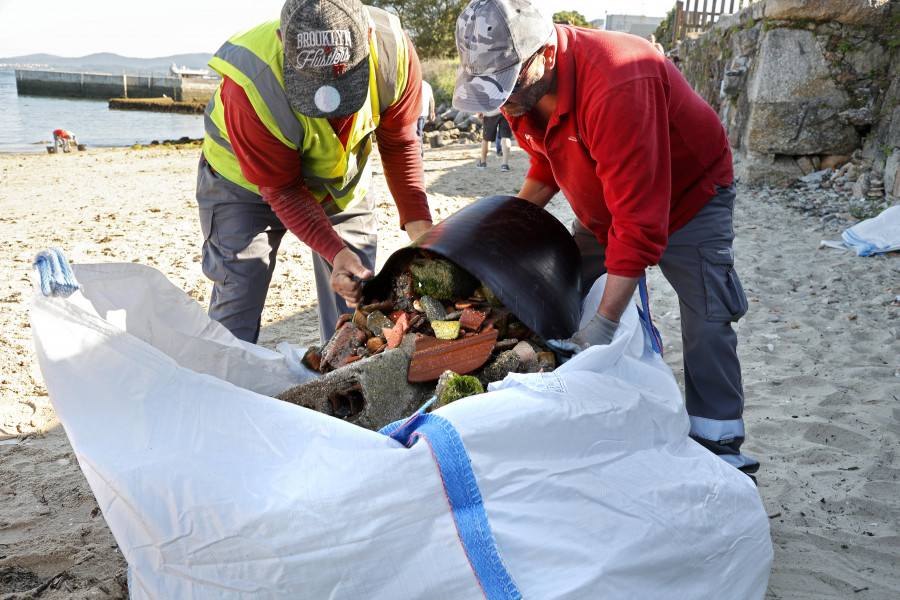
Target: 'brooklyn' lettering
[(331, 37), (321, 58)]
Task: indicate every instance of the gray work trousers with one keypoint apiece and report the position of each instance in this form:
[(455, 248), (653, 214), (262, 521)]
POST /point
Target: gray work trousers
[(241, 237), (699, 264)]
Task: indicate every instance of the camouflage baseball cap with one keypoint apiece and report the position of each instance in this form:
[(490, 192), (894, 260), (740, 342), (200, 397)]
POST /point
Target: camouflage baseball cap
[(494, 38)]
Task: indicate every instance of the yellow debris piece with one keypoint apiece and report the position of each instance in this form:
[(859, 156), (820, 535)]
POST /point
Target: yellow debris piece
[(445, 330)]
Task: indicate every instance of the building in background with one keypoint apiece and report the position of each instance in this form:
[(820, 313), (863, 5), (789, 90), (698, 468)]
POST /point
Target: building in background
[(636, 24), (597, 23)]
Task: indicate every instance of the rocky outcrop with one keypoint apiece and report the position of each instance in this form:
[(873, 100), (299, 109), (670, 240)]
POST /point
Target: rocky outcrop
[(794, 104), (803, 86), (451, 125), (852, 12)]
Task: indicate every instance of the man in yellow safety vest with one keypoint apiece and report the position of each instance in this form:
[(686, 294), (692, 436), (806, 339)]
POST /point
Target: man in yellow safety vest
[(288, 147)]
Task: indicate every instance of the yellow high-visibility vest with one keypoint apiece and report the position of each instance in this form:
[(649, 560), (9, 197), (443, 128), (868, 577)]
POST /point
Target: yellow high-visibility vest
[(254, 59)]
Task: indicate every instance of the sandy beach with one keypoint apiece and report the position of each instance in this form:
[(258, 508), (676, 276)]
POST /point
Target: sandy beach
[(820, 350)]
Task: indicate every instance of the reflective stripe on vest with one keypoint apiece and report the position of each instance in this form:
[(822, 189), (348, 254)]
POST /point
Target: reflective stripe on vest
[(254, 60)]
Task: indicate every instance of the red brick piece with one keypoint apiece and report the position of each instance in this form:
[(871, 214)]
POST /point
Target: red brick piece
[(471, 319), (343, 345), (394, 335), (460, 356)]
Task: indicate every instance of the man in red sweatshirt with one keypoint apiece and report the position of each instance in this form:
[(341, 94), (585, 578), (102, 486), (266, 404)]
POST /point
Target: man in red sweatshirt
[(288, 147), (646, 167)]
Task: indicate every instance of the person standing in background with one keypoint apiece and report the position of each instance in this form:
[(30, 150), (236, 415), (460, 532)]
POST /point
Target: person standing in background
[(495, 127), (427, 112)]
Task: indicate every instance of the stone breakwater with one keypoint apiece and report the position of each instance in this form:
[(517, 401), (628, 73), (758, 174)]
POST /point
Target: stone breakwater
[(102, 85)]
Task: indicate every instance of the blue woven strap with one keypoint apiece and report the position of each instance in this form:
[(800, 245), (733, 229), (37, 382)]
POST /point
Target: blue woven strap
[(646, 320), (57, 278), (465, 499)]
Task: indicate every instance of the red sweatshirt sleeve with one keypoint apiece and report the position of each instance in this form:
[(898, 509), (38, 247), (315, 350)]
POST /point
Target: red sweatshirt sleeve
[(629, 140), (399, 147), (275, 169)]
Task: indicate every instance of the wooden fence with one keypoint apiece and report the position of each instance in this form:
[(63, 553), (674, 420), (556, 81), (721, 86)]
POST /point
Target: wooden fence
[(696, 16)]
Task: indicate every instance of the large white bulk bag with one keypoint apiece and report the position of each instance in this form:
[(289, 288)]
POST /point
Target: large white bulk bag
[(581, 483)]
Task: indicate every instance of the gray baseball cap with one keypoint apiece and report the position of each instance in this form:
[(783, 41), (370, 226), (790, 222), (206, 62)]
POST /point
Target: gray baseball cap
[(494, 38), (326, 56)]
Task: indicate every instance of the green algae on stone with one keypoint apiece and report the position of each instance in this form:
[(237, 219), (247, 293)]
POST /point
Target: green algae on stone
[(441, 278), (490, 296), (458, 386)]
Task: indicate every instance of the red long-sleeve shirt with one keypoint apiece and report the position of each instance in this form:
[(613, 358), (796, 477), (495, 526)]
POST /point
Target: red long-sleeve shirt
[(633, 148), (273, 167)]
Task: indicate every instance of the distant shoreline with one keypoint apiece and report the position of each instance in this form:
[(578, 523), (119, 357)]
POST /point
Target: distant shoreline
[(183, 143)]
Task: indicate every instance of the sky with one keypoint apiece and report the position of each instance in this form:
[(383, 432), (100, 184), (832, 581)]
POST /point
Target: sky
[(166, 27)]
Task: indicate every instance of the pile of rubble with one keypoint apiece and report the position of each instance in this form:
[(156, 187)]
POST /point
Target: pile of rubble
[(451, 125), (441, 333), (840, 195)]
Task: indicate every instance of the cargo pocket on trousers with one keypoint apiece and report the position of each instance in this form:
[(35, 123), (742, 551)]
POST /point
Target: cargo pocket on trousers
[(725, 299), (211, 257)]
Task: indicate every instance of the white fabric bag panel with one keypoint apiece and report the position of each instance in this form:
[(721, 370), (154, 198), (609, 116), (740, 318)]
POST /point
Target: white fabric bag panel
[(214, 491), (594, 490), (589, 481), (140, 300)]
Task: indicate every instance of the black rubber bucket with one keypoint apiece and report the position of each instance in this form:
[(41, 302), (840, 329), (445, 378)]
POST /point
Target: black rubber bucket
[(522, 253)]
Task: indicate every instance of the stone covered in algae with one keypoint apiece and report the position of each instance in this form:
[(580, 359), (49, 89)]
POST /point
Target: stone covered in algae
[(452, 386), (507, 362), (489, 296), (441, 278)]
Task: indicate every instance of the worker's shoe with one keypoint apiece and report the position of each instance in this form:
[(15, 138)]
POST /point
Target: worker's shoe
[(504, 167), (480, 165)]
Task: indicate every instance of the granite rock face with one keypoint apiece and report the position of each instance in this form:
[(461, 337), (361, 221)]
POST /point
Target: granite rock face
[(869, 12), (794, 104), (799, 84)]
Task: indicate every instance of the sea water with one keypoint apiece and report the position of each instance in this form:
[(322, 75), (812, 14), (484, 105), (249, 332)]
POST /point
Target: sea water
[(27, 122)]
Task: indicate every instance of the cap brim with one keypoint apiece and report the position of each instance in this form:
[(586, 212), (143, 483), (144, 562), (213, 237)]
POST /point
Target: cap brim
[(328, 98), (484, 93)]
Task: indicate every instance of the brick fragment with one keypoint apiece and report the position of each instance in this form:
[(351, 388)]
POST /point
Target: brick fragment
[(342, 345), (472, 319), (394, 335), (461, 356)]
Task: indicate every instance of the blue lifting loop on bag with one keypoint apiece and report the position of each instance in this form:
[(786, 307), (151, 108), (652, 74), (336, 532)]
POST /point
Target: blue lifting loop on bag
[(465, 499), (655, 338), (57, 278)]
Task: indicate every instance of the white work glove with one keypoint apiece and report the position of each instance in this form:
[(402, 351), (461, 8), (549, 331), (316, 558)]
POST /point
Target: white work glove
[(598, 332)]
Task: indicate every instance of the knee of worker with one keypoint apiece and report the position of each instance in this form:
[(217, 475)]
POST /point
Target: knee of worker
[(244, 325)]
